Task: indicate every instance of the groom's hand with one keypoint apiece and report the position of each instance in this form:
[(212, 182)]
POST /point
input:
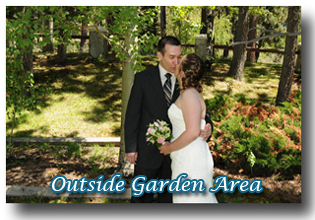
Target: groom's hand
[(132, 157), (206, 132)]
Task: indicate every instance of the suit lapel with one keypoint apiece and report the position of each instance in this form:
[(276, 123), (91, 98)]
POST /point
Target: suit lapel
[(157, 86)]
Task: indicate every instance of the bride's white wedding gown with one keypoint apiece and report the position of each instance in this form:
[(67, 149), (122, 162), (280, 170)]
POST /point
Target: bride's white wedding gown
[(194, 159)]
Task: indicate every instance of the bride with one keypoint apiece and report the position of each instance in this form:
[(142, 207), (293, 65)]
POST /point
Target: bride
[(189, 153)]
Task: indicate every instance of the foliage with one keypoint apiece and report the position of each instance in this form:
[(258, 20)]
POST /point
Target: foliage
[(125, 19), (222, 32), (219, 106), (249, 139), (184, 23), (66, 22), (271, 18)]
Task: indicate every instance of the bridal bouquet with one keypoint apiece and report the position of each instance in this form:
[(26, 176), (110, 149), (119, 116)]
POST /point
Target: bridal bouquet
[(158, 132)]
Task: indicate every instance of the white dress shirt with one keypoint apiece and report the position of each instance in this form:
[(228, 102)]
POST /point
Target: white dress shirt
[(163, 78)]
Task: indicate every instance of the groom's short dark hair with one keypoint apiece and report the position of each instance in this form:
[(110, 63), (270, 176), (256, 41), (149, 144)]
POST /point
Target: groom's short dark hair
[(167, 40)]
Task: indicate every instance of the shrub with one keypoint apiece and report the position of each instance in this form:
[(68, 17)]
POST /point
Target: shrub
[(218, 106), (293, 134), (257, 146)]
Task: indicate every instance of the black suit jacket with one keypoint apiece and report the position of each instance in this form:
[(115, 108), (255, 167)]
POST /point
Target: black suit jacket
[(146, 104)]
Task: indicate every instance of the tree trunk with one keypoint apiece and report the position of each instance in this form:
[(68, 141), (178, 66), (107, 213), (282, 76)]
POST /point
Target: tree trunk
[(125, 168), (27, 53), (62, 53), (239, 50), (61, 49), (27, 60), (286, 79), (226, 51), (204, 12), (207, 18), (84, 32), (163, 21), (48, 35), (110, 22), (251, 57)]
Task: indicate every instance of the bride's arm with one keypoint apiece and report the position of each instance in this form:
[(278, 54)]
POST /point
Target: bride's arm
[(192, 110)]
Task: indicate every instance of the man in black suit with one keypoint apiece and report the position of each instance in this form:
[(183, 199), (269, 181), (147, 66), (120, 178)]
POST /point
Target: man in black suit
[(148, 103)]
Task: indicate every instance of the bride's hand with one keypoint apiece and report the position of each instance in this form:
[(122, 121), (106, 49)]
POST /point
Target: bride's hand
[(165, 149)]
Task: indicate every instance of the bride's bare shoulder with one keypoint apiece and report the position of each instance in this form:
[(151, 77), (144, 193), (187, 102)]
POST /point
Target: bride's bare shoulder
[(190, 93), (190, 96)]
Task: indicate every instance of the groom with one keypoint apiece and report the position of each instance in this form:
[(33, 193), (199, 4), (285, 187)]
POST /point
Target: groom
[(149, 101)]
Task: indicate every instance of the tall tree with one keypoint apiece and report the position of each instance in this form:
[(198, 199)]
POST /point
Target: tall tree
[(48, 31), (66, 19), (207, 20), (163, 20), (28, 52), (62, 47), (84, 33), (286, 79), (48, 27), (251, 57), (239, 51), (127, 82), (227, 13)]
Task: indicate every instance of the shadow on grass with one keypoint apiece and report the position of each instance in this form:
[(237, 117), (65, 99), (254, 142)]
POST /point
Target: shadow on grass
[(99, 79)]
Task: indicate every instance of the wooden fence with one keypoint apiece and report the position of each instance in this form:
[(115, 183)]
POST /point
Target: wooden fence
[(263, 50), (280, 51)]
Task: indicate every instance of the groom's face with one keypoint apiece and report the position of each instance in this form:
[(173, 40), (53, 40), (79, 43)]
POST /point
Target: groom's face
[(171, 57)]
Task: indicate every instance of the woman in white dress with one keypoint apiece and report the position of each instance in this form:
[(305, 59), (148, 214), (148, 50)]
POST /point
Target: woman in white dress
[(189, 153)]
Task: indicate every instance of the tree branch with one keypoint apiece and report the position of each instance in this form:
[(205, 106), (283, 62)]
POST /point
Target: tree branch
[(267, 36)]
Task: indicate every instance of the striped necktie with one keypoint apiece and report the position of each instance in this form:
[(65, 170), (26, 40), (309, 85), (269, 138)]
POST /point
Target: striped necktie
[(167, 88)]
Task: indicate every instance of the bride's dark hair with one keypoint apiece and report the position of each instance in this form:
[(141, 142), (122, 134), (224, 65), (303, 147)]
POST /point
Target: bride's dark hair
[(194, 68)]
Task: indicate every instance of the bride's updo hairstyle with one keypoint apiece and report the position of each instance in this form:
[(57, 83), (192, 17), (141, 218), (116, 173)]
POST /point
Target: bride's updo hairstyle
[(194, 68)]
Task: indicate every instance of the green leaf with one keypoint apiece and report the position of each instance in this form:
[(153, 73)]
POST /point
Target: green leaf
[(41, 8)]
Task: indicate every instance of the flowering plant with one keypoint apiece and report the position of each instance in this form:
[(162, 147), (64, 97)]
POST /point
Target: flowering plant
[(65, 154), (159, 132)]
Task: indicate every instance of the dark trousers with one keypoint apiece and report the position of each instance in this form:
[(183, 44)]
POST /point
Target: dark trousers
[(163, 172)]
